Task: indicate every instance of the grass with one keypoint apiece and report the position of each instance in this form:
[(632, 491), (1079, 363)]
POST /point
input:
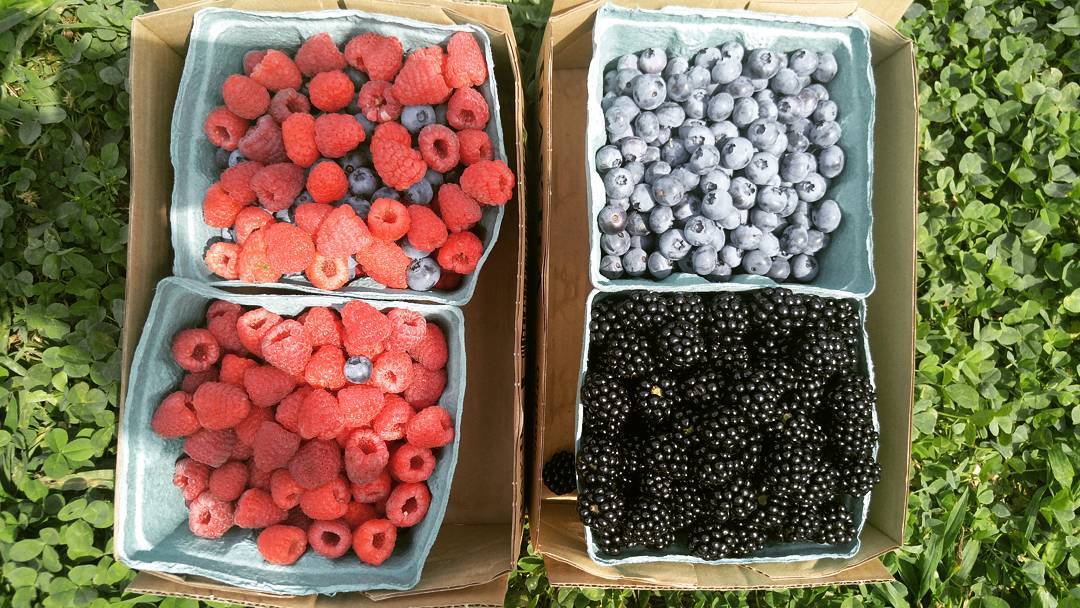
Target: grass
[(992, 516)]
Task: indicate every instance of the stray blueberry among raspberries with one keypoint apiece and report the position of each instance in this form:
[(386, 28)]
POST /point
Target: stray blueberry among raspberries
[(357, 369), (558, 474)]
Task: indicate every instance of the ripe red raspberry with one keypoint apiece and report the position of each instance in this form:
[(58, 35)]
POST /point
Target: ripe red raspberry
[(378, 56), (458, 210), (326, 502), (426, 231), (298, 134), (326, 367), (388, 219), (420, 80), (342, 233), (408, 504), (227, 483), (461, 252), (407, 328), (448, 281), (253, 263), (277, 71), (287, 102), (398, 166), (319, 54), (221, 259), (195, 350), (377, 103), (366, 455), (175, 416), (278, 185), (385, 262), (465, 63), (263, 142), (337, 134), (282, 545), (267, 385), (431, 427), (467, 109), (358, 513), (253, 325), (391, 421), (220, 406), (258, 478), (374, 540), (286, 348), (364, 325), (431, 351), (320, 416), (249, 427), (252, 59), (391, 131), (237, 181), (284, 489), (211, 448), (220, 209), (330, 539), (490, 182), (426, 387), (331, 91), (372, 491), (474, 146), (256, 509), (310, 216), (191, 477), (327, 182), (233, 368), (328, 273), (440, 147), (209, 517), (322, 326), (274, 446), (391, 372), (192, 382), (411, 464), (287, 412), (249, 220), (241, 452), (288, 248), (316, 463), (221, 317), (245, 97), (224, 129), (360, 403)]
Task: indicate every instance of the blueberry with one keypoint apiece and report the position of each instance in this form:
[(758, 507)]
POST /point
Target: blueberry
[(772, 199), (786, 82), (648, 90), (825, 134), (359, 204), (789, 109), (779, 146), (760, 84), (611, 266), (672, 244), (235, 158), (724, 129), (746, 237), (696, 136), (780, 270), (736, 153), (670, 114), (769, 244), (659, 266), (795, 166), (815, 241), (803, 62), (683, 211), (433, 177), (797, 142), (756, 262), (627, 62), (440, 116), (720, 274), (744, 112), (661, 219), (617, 118), (386, 192), (798, 220), (362, 182), (609, 97), (725, 71), (367, 125), (695, 106), (636, 224), (652, 61), (679, 87), (762, 168), (676, 65), (689, 179), (656, 170), (732, 50), (228, 235), (826, 111), (652, 154), (357, 77), (765, 221), (674, 153), (619, 203), (698, 230), (664, 136), (646, 242), (637, 171), (624, 80), (419, 193), (826, 68), (704, 159), (303, 197), (812, 188), (819, 90), (634, 262), (826, 215), (699, 77), (830, 161), (619, 183), (611, 220), (800, 125), (731, 256), (762, 133), (762, 63), (794, 239), (706, 57), (715, 180), (414, 118), (632, 149), (647, 126), (221, 158), (743, 192), (615, 244), (717, 204), (608, 157), (804, 267), (358, 369), (412, 251)]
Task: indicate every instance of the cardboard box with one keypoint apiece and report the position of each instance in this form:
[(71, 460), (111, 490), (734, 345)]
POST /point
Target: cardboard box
[(480, 538), (564, 286)]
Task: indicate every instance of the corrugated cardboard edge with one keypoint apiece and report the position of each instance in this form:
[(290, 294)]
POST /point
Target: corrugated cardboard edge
[(889, 11)]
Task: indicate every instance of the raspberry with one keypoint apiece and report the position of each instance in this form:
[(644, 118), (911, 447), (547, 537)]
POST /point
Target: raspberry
[(360, 403), (298, 135), (385, 262), (366, 455), (420, 80), (331, 91), (249, 426), (241, 452), (253, 325), (192, 382), (391, 421), (465, 63), (282, 545), (267, 385), (328, 501), (287, 413), (426, 387), (377, 103), (431, 351), (440, 147), (209, 517), (467, 109), (237, 181), (411, 464), (319, 54), (407, 328), (342, 233), (426, 231), (286, 348), (256, 509), (388, 219), (253, 263), (326, 368), (358, 513), (337, 134), (220, 209), (229, 481), (310, 216), (398, 166), (221, 317), (391, 131), (224, 129), (211, 448), (192, 477), (431, 427), (461, 252), (287, 102), (320, 416), (220, 406), (288, 248), (328, 273), (326, 182), (322, 326), (297, 518), (373, 542), (276, 71), (263, 142), (378, 56), (249, 220), (245, 97), (366, 329), (408, 504), (221, 259), (258, 478), (252, 59), (330, 539), (474, 146), (490, 182), (284, 489), (392, 371), (274, 446), (372, 491), (458, 210), (278, 185), (195, 350)]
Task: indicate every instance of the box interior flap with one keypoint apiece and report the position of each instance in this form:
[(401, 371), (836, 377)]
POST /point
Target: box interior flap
[(156, 584), (889, 11)]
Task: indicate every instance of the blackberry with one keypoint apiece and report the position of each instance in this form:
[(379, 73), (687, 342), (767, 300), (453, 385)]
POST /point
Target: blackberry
[(766, 348), (713, 539), (628, 355), (850, 405), (605, 320), (656, 398), (859, 476), (558, 474), (687, 307), (602, 509), (752, 393), (824, 484), (657, 485), (771, 515), (826, 352), (605, 403), (613, 540), (666, 454), (737, 499), (643, 311), (837, 527), (729, 317), (705, 390), (729, 432), (802, 431), (600, 463), (801, 524), (777, 313), (735, 356), (680, 345), (789, 471), (713, 468), (687, 504), (649, 524)]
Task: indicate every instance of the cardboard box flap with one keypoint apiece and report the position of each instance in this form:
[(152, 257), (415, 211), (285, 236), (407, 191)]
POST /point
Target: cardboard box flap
[(821, 8), (889, 11), (172, 25), (155, 584)]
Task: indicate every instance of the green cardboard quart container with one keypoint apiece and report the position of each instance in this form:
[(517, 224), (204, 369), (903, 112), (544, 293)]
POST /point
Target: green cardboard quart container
[(219, 39), (846, 264), (679, 552), (151, 531)]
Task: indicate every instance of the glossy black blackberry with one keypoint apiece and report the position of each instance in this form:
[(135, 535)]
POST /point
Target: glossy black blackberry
[(656, 398), (715, 468), (737, 499), (644, 312), (730, 432), (837, 527), (857, 477), (687, 504), (806, 393), (713, 539), (600, 463), (602, 509), (827, 352), (803, 431), (771, 515), (850, 406), (649, 524), (680, 345), (558, 473), (628, 355), (667, 454), (613, 540), (687, 307), (605, 403), (753, 393), (789, 470), (604, 321), (656, 484), (801, 524), (729, 357), (776, 312), (729, 317), (824, 485)]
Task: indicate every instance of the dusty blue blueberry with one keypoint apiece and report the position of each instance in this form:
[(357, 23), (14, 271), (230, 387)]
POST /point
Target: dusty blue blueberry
[(786, 82), (735, 153), (628, 61), (636, 224), (637, 171), (648, 91), (670, 114), (762, 63), (634, 262), (819, 90), (756, 262), (723, 130), (764, 220), (689, 179), (696, 136), (717, 179), (652, 61), (619, 183), (795, 166), (672, 244), (707, 56), (815, 241), (303, 197), (789, 109), (826, 215), (386, 192), (659, 266), (826, 67), (615, 244), (812, 188), (647, 126), (235, 158), (778, 147), (771, 198), (794, 239), (719, 106), (608, 157), (609, 95), (698, 230), (423, 274), (704, 159), (746, 237), (825, 134), (804, 267), (716, 204), (632, 149), (830, 161), (725, 71), (652, 154), (412, 251), (762, 168), (221, 158), (357, 369), (825, 111), (720, 274), (676, 65), (661, 219), (801, 126), (699, 77), (365, 123), (731, 255), (743, 192), (664, 136), (683, 211), (695, 106), (611, 220), (363, 182), (740, 87), (732, 50), (641, 198), (359, 204), (769, 244), (762, 133), (419, 193), (353, 161), (611, 266), (780, 270), (624, 80), (803, 62), (797, 142), (415, 118), (655, 170), (798, 220), (760, 84), (679, 87), (767, 110), (617, 118), (434, 178), (645, 241), (744, 112), (619, 203), (674, 153)]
